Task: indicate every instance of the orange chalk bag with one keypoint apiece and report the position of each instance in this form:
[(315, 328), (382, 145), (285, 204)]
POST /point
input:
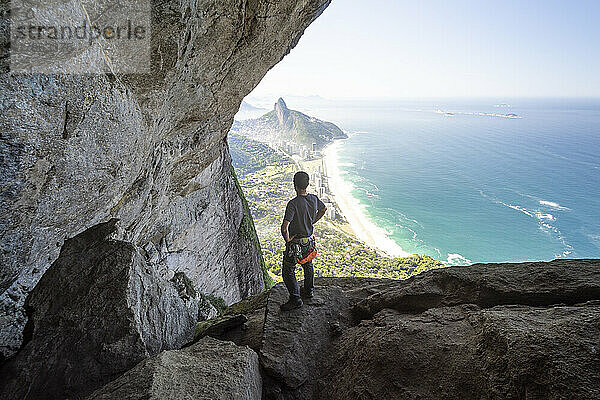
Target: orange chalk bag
[(309, 250)]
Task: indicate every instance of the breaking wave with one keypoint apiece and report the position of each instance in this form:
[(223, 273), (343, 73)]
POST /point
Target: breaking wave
[(457, 259), (544, 219)]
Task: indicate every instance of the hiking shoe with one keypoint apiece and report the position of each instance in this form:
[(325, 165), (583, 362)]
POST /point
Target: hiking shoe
[(307, 294), (292, 303)]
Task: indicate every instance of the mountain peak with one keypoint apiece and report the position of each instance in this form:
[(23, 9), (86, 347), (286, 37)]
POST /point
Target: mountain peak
[(282, 111), (281, 104), (285, 125)]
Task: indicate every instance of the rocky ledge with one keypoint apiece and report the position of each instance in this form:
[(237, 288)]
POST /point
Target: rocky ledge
[(488, 331)]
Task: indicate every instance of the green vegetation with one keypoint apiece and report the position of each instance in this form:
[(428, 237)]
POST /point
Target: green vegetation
[(248, 231), (249, 304), (249, 155), (205, 301), (341, 255), (218, 303), (184, 285), (302, 129), (268, 190), (246, 307)]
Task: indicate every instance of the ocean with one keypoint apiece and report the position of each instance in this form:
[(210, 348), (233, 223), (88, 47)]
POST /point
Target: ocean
[(446, 178)]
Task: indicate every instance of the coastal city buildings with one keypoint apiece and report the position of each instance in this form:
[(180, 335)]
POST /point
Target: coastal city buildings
[(292, 148), (318, 177), (320, 187)]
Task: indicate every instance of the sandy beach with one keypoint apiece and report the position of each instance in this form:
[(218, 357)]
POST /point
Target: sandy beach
[(353, 211)]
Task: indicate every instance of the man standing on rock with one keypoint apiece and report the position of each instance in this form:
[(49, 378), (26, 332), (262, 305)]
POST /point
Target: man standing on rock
[(301, 213)]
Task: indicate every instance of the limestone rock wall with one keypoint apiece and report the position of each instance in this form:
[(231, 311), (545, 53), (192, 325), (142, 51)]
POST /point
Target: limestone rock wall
[(77, 150)]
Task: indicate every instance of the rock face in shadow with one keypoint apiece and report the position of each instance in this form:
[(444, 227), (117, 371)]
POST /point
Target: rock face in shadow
[(504, 352), (488, 331), (147, 149), (98, 311), (208, 370)]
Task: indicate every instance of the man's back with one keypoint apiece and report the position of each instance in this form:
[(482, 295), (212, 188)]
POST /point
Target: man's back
[(300, 213)]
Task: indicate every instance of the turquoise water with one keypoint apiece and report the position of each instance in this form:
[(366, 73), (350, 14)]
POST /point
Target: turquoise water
[(471, 188)]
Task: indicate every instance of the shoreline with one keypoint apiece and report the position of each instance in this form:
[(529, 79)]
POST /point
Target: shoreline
[(354, 212)]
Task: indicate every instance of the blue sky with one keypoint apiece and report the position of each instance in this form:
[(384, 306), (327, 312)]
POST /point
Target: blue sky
[(453, 48)]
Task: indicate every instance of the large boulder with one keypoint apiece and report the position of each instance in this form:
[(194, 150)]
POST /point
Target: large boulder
[(208, 370), (468, 352), (148, 148), (98, 311)]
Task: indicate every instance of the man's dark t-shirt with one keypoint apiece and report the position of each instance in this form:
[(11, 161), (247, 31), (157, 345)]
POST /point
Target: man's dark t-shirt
[(301, 212)]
